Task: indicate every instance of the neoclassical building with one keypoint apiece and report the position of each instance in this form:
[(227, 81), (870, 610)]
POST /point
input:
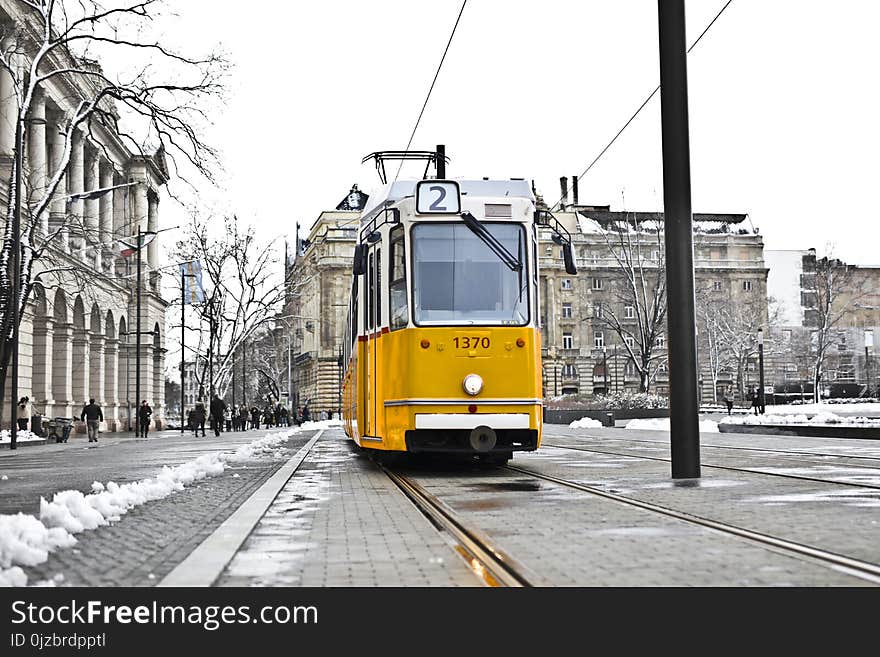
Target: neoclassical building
[(79, 331)]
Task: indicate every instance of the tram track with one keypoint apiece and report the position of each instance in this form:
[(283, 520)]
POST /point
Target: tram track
[(855, 567), (488, 562), (747, 449), (721, 467)]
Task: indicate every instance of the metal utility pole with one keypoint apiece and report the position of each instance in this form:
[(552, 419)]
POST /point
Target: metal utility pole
[(441, 161), (16, 280), (683, 411), (761, 369), (182, 349), (137, 330)]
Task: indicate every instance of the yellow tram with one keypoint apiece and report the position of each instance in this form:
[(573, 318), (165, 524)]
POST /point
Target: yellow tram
[(443, 343)]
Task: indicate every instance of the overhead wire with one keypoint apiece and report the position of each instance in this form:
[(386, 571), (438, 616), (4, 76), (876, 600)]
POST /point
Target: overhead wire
[(433, 82), (644, 103)]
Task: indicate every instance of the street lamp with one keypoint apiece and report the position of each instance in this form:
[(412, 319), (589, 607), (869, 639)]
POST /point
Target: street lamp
[(144, 238), (761, 369), (605, 368)]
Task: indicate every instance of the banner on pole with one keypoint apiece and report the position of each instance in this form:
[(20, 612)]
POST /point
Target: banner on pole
[(191, 272)]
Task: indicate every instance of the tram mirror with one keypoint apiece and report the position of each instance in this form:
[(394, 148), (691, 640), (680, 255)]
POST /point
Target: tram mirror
[(568, 257), (360, 259)]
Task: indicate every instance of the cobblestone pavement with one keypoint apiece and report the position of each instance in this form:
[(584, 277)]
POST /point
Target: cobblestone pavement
[(150, 539), (340, 521)]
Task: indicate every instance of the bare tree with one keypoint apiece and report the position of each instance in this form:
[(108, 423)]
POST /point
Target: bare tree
[(155, 109), (638, 316), (244, 292), (836, 290)]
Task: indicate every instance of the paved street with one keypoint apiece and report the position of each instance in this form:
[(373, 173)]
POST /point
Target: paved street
[(337, 520)]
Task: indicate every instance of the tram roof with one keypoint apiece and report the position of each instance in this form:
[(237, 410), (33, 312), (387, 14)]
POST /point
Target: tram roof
[(401, 189)]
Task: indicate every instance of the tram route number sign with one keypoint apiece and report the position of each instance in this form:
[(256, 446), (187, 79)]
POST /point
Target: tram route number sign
[(438, 197)]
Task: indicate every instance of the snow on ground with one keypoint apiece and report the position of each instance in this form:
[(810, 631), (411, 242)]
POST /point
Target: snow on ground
[(585, 423), (662, 424), (823, 418), (26, 540), (867, 408), (20, 436)]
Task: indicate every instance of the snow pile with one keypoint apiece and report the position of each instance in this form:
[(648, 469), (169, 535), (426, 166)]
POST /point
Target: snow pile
[(869, 408), (27, 541), (585, 423), (20, 436), (662, 424), (823, 418)]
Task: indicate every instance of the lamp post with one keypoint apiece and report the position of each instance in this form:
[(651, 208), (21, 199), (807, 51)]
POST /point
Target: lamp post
[(869, 342), (605, 368), (761, 369)]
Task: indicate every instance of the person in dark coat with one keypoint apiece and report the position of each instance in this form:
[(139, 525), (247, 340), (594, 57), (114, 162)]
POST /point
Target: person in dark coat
[(218, 408), (756, 401), (243, 418), (144, 414), (255, 417), (92, 416), (199, 415)]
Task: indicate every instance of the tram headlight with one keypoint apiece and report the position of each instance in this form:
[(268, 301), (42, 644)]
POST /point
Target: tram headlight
[(472, 384)]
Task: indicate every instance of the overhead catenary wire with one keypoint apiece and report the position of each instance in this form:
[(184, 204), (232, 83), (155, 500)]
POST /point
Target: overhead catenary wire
[(644, 103), (433, 82)]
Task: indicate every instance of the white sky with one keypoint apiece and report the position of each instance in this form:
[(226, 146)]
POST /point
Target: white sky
[(783, 108)]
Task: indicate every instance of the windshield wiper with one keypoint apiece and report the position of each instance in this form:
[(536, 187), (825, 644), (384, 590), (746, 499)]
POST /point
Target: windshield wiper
[(513, 263)]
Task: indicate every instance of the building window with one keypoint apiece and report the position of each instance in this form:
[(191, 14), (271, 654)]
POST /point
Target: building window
[(629, 370), (566, 283), (569, 371), (598, 339), (716, 285), (567, 341), (630, 341), (566, 310), (597, 310), (747, 286), (629, 312), (661, 341), (597, 283)]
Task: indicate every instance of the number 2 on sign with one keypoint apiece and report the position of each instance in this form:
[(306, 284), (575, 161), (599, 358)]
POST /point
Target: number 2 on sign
[(468, 342)]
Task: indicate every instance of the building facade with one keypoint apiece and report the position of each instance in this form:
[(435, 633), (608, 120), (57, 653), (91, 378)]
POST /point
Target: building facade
[(79, 331), (318, 282), (850, 367)]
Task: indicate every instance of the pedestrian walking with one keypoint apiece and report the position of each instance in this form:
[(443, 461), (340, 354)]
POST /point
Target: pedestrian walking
[(756, 401), (25, 411), (144, 414), (728, 398), (243, 417), (92, 415), (307, 415), (323, 415), (218, 408), (199, 415)]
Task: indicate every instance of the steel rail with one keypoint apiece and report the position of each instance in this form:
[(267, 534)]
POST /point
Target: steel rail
[(488, 562), (855, 567)]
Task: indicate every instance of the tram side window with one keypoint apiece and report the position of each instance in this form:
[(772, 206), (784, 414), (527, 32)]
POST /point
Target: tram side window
[(399, 313), (354, 309)]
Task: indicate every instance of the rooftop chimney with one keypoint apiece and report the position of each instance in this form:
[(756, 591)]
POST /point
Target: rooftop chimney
[(563, 184), (574, 190)]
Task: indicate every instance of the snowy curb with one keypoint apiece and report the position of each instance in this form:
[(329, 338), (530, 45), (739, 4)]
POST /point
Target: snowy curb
[(27, 541)]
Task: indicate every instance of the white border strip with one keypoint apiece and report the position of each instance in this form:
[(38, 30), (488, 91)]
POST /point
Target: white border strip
[(204, 564), (472, 420)]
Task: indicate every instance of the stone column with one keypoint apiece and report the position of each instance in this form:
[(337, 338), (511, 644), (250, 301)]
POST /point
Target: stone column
[(80, 367), (91, 181), (111, 365), (120, 229), (8, 103), (159, 387), (75, 181), (153, 248), (123, 381), (37, 155), (105, 215), (57, 208), (96, 369), (62, 360), (42, 378)]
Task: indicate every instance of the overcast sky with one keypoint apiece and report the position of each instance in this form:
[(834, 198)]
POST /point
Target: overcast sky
[(783, 105)]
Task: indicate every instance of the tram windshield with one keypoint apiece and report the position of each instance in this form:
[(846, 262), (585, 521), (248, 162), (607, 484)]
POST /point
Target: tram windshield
[(458, 279)]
